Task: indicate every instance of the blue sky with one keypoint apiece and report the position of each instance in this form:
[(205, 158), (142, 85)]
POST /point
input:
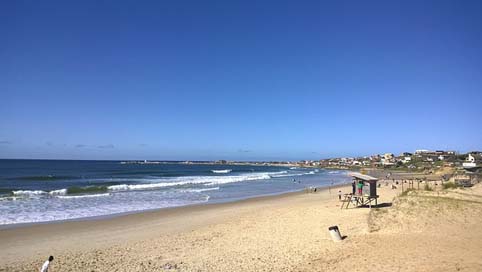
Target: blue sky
[(245, 80)]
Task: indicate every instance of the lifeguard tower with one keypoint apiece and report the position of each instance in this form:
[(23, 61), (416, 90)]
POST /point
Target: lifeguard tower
[(366, 198)]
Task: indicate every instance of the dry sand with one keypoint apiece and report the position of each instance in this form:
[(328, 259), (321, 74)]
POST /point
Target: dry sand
[(421, 231)]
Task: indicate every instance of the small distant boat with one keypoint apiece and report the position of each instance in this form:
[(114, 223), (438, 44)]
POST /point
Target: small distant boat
[(224, 171)]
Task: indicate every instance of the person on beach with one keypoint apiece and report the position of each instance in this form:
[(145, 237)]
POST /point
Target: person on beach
[(339, 194), (360, 187), (353, 187), (45, 266)]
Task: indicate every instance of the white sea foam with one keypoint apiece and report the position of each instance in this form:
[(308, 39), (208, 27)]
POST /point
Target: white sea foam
[(82, 196), (180, 181), (156, 183), (7, 198), (224, 171), (28, 193), (82, 206), (201, 190), (58, 192), (129, 187), (287, 175), (42, 206), (34, 193)]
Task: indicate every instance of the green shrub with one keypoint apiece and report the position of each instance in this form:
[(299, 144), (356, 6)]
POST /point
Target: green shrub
[(449, 185)]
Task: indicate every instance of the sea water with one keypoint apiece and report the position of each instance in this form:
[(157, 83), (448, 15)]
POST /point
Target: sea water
[(50, 190)]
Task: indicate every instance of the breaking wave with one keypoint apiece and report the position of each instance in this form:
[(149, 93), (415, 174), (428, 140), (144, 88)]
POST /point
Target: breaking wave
[(151, 183), (224, 171), (83, 196)]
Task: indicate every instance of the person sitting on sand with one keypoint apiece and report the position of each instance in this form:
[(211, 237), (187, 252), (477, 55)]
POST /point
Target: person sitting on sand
[(45, 267)]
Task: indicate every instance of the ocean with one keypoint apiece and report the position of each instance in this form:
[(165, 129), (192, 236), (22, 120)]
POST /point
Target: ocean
[(50, 190)]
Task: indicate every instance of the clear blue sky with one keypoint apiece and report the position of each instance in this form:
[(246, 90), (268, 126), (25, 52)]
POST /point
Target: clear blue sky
[(246, 80)]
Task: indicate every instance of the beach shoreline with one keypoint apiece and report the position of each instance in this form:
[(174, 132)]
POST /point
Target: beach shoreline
[(172, 209), (287, 232), (10, 235)]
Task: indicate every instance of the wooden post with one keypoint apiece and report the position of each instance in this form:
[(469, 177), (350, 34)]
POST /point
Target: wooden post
[(402, 186)]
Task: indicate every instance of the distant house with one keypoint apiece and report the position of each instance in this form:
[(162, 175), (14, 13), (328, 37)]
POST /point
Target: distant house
[(386, 162), (407, 159), (469, 162), (388, 156), (470, 158)]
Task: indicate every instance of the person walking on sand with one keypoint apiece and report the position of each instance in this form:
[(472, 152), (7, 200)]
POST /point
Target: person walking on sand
[(45, 267), (353, 187), (339, 195)]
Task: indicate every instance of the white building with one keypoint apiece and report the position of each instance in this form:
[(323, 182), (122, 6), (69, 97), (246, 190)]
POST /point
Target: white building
[(469, 162), (407, 159)]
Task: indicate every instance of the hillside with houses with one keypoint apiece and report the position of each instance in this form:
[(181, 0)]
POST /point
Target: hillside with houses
[(420, 160)]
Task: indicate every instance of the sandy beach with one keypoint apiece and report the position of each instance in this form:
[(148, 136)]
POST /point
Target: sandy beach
[(419, 231), (239, 136)]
